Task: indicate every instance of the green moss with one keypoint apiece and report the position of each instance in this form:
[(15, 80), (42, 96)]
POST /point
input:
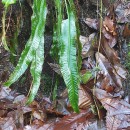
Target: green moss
[(127, 63), (46, 84)]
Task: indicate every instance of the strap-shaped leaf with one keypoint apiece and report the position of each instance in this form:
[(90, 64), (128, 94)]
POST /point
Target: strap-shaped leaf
[(57, 30), (36, 69), (37, 29), (6, 5), (79, 46), (68, 59), (8, 2)]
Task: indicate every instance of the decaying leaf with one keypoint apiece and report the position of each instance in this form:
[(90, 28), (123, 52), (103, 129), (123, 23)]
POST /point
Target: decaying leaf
[(126, 31), (120, 71), (92, 23), (39, 115), (87, 45), (55, 67), (5, 93), (108, 24), (107, 69), (7, 124), (105, 85), (71, 122), (109, 52), (118, 111), (88, 63), (111, 40), (48, 126), (85, 99), (92, 125), (123, 12)]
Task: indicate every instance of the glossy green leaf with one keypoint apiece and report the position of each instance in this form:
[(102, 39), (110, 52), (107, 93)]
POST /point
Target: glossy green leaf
[(6, 5), (34, 44), (85, 77), (68, 60), (57, 30), (8, 2), (36, 69)]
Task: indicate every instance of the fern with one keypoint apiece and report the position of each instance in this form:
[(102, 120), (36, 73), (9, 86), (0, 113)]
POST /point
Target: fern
[(6, 5), (34, 49), (8, 2), (65, 42), (57, 30), (68, 61)]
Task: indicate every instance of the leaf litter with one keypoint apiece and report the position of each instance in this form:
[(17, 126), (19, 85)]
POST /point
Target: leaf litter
[(101, 93)]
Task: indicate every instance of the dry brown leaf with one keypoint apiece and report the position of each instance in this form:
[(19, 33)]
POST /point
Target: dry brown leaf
[(88, 63), (7, 124), (107, 69), (92, 125), (108, 24), (83, 40), (85, 99), (38, 127), (55, 67), (108, 38), (120, 71), (111, 40), (5, 93), (118, 111), (18, 117), (87, 45), (40, 115), (109, 52), (72, 121), (105, 85), (92, 23), (20, 99), (126, 32), (122, 12)]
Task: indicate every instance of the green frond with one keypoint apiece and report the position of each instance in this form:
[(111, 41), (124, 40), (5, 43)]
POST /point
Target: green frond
[(34, 49), (57, 30), (36, 69), (68, 60), (8, 2)]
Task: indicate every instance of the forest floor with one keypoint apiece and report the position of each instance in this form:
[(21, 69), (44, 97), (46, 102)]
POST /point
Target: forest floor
[(104, 101)]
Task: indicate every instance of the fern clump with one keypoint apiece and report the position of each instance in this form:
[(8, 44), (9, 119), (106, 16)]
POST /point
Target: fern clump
[(64, 51)]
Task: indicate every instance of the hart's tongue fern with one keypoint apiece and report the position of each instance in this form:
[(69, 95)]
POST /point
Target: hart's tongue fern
[(34, 50), (64, 48)]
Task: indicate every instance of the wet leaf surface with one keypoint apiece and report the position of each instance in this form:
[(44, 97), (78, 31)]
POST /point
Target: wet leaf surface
[(118, 110), (71, 122), (102, 102)]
